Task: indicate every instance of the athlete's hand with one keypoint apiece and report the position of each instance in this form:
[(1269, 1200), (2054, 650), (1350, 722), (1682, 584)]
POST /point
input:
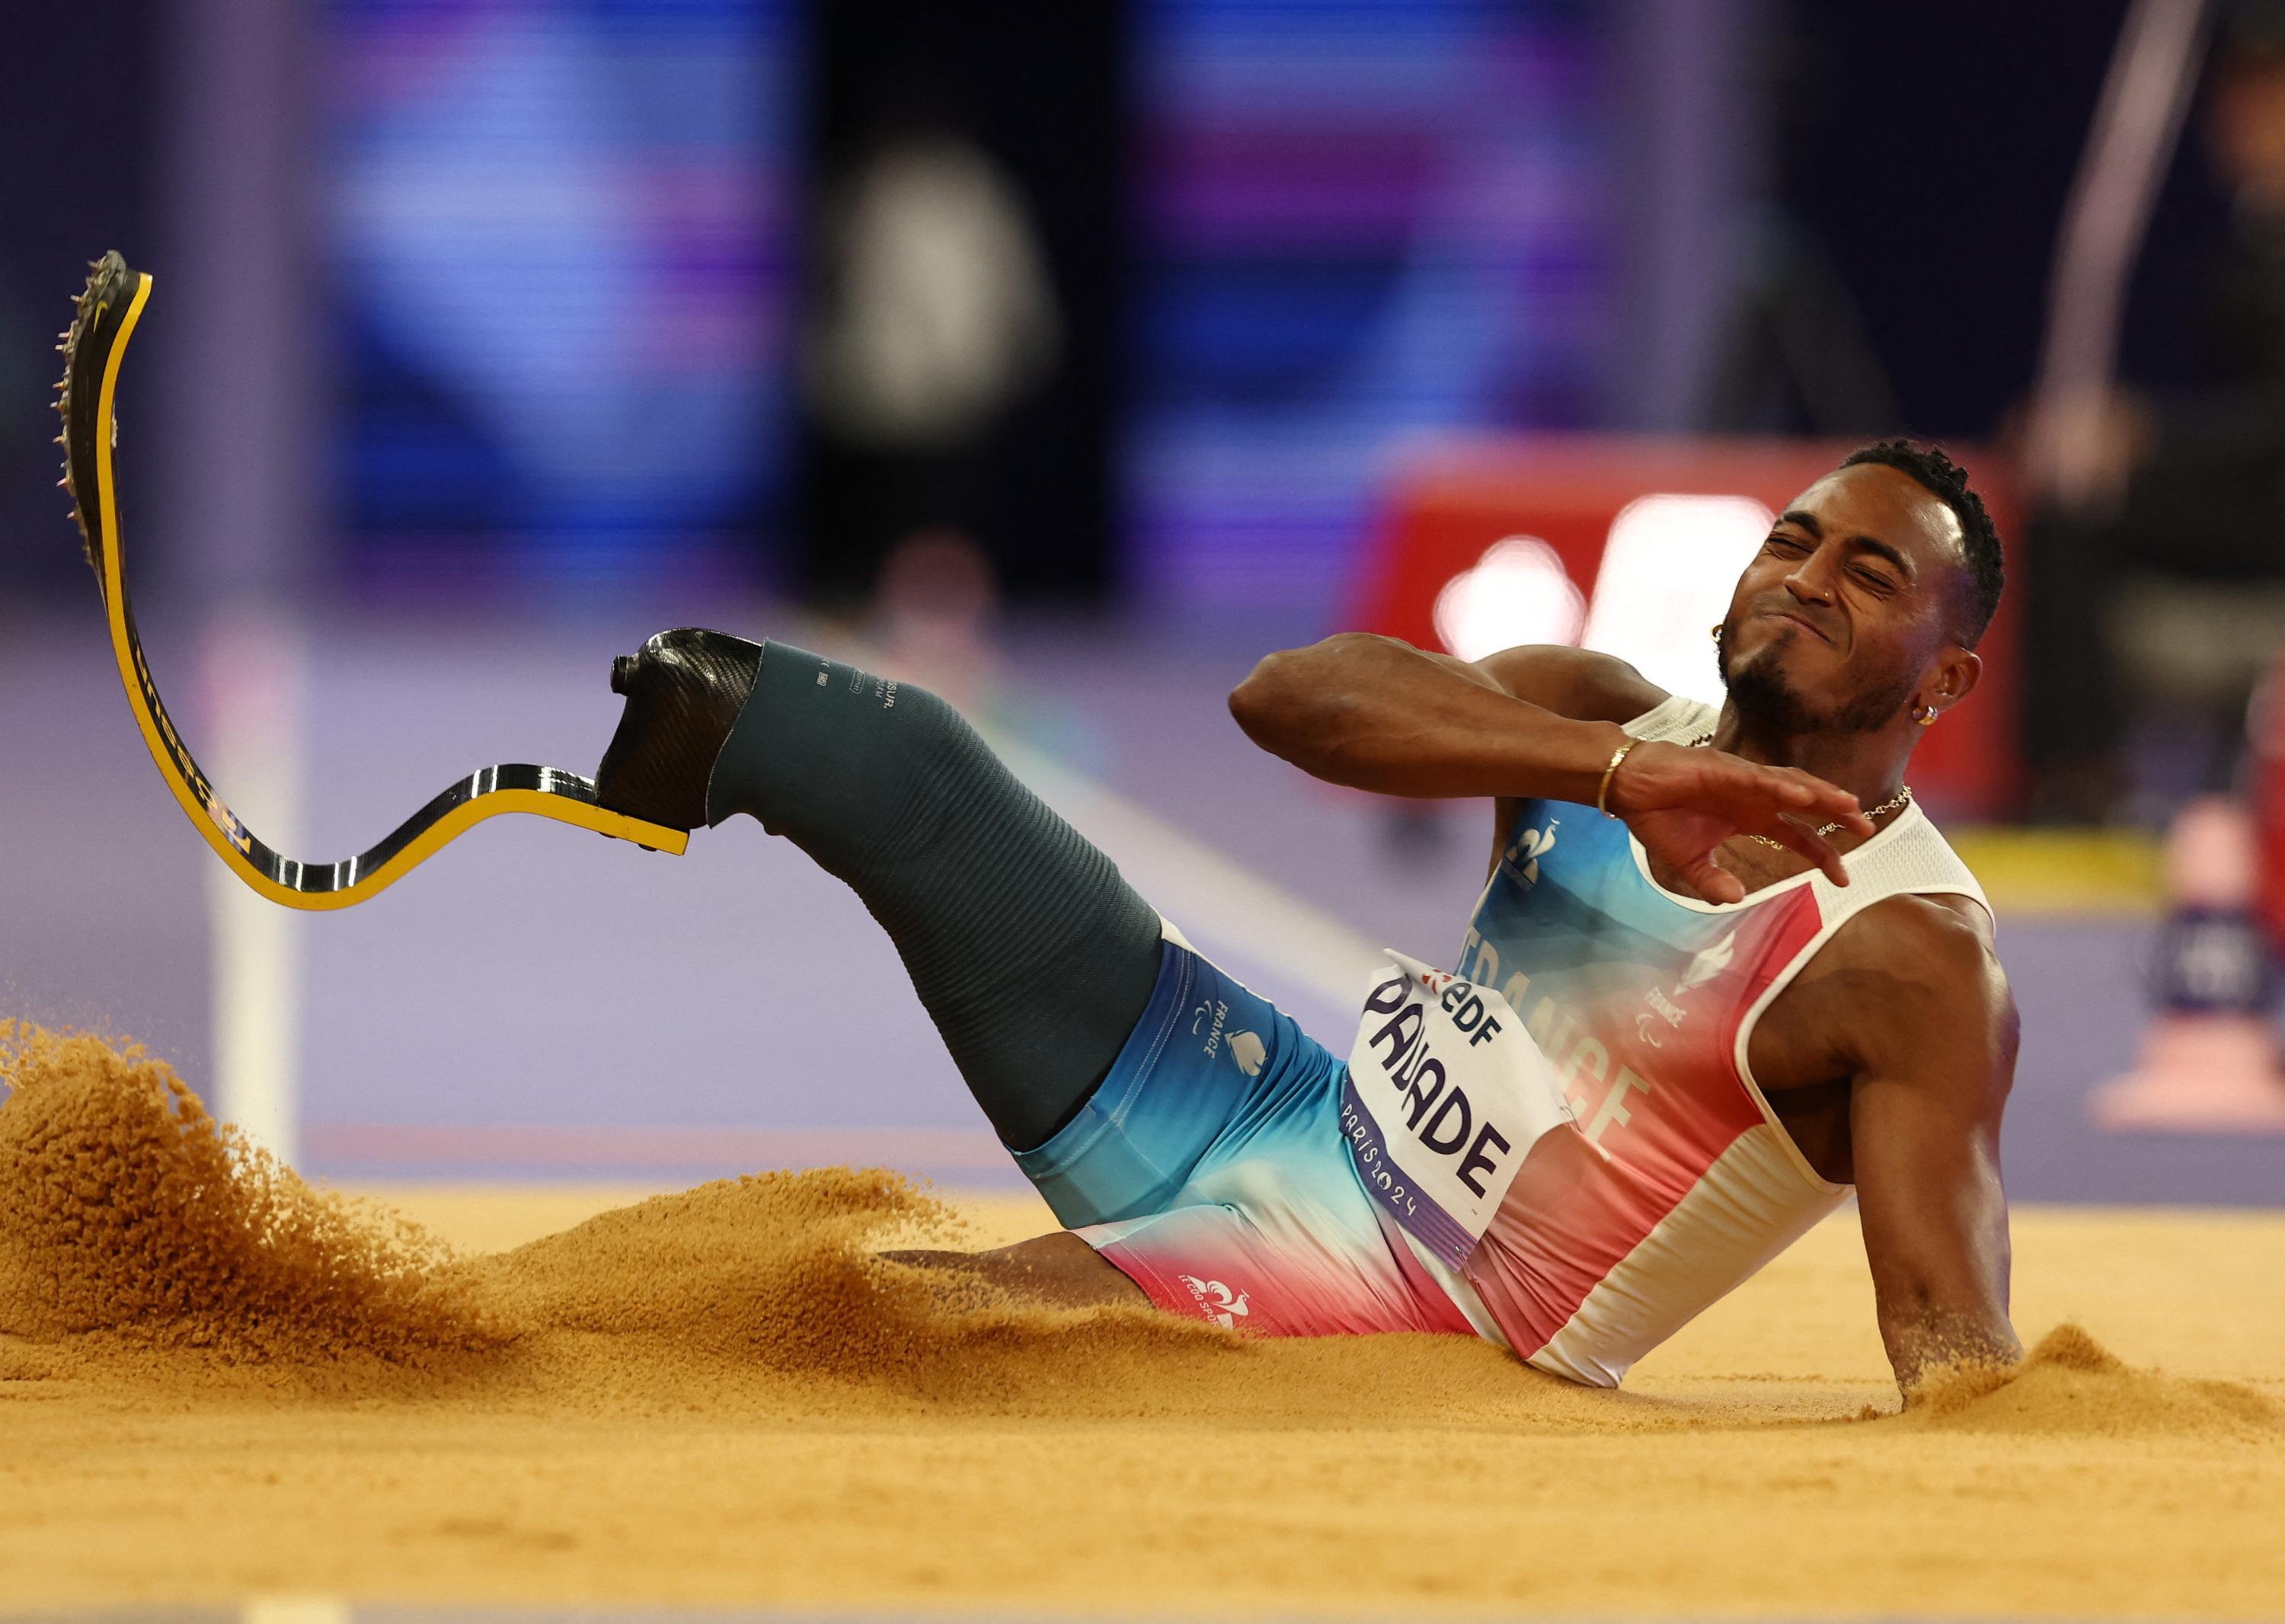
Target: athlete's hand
[(1683, 803)]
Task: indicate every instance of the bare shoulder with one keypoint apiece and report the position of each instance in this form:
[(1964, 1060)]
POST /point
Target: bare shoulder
[(1926, 974), (1575, 682), (1942, 941)]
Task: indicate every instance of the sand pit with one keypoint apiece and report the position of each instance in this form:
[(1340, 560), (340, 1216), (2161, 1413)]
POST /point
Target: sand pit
[(215, 1382)]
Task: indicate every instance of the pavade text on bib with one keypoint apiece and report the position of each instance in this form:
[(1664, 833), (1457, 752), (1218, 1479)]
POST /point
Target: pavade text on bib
[(1445, 1092)]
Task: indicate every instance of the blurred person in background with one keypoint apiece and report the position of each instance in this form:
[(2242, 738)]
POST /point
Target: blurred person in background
[(955, 355), (933, 314), (2158, 597)]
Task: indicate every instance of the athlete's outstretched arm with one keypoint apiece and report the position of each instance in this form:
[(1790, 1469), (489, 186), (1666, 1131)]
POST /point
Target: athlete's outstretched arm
[(1936, 1034), (1378, 714)]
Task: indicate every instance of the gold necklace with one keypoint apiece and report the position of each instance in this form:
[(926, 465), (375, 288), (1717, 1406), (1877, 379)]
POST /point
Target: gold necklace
[(1895, 802)]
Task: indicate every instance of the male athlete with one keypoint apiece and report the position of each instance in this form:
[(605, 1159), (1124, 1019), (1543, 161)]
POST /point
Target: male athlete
[(1705, 992)]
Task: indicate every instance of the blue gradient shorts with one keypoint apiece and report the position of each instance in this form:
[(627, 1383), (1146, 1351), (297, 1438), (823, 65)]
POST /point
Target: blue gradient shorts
[(1210, 1168)]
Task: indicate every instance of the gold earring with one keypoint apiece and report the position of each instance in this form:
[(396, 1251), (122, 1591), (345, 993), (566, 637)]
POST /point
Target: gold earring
[(1925, 715), (1717, 636)]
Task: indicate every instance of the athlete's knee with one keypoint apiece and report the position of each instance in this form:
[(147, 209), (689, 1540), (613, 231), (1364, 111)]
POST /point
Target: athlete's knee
[(912, 778), (827, 754), (936, 751)]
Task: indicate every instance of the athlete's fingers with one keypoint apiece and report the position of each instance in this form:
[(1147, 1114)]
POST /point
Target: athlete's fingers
[(1829, 803), (1807, 797), (1812, 845), (1711, 881), (1735, 776), (1793, 791), (1824, 803)]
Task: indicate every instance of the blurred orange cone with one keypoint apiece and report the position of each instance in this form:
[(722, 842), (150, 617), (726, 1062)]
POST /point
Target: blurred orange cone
[(2210, 1055)]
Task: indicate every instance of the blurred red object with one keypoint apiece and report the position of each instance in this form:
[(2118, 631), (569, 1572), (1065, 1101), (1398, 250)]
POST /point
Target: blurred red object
[(1450, 500), (2266, 725)]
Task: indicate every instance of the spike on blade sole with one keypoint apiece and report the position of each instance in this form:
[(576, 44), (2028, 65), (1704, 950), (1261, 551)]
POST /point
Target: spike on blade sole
[(103, 272)]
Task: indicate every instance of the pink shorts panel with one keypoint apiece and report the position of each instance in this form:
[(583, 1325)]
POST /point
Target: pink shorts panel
[(1211, 1263)]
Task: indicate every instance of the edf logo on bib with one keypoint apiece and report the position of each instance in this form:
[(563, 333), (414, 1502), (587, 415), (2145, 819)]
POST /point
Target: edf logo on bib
[(1444, 1092), (1429, 1090)]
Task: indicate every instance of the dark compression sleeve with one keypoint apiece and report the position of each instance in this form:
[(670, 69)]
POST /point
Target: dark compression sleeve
[(1032, 955)]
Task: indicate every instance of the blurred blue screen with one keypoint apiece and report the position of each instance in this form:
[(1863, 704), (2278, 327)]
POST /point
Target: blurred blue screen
[(564, 248)]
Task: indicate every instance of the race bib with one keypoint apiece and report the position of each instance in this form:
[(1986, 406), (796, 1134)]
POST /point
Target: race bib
[(1445, 1092)]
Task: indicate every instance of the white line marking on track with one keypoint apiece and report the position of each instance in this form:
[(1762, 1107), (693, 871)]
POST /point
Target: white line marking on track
[(296, 1608), (256, 673)]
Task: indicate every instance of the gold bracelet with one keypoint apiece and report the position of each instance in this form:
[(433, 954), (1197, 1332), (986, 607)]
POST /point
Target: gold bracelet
[(1602, 790)]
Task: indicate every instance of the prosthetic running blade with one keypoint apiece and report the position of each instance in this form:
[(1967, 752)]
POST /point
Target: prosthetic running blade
[(92, 347)]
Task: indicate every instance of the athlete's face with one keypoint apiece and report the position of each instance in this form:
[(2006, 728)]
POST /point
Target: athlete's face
[(1845, 620)]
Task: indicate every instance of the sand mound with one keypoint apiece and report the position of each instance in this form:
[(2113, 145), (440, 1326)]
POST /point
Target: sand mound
[(128, 1213), (773, 1275), (143, 1244), (151, 1242), (2071, 1384)]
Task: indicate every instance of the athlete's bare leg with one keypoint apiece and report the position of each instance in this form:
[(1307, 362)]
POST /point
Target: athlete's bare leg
[(1060, 1269)]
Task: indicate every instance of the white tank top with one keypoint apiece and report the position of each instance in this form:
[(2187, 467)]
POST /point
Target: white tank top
[(1680, 1182)]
